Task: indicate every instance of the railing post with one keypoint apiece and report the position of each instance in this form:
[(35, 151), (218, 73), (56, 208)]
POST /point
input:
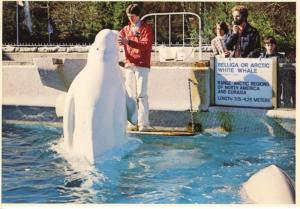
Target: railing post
[(169, 30), (200, 41), (183, 30), (155, 36), (212, 80), (17, 21)]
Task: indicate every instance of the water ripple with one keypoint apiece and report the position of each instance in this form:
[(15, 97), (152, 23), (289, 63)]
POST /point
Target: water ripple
[(206, 168)]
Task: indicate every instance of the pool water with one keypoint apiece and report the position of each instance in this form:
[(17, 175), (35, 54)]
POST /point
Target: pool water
[(208, 168)]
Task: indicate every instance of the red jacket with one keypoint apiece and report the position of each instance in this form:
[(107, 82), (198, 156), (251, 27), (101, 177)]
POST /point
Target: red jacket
[(138, 49)]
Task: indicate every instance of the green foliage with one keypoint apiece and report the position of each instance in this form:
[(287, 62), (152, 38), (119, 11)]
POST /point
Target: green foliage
[(9, 22), (119, 14), (277, 19), (82, 20), (212, 13), (79, 21), (194, 36), (226, 121)]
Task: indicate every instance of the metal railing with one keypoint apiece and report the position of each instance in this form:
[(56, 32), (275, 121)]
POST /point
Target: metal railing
[(170, 27), (25, 44)]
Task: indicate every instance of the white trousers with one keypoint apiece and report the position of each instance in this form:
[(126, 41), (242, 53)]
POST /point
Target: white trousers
[(136, 82)]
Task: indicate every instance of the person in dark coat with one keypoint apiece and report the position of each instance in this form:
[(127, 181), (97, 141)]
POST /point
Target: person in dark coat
[(270, 51), (243, 39), (270, 48)]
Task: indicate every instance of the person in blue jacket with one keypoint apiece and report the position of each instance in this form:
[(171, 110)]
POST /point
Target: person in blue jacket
[(243, 39)]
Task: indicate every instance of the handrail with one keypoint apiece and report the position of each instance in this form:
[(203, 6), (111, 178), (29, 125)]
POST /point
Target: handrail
[(175, 13)]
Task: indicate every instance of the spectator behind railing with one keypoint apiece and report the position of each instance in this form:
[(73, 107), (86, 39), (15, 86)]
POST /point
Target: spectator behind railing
[(243, 39), (218, 43), (270, 51), (270, 45), (285, 74)]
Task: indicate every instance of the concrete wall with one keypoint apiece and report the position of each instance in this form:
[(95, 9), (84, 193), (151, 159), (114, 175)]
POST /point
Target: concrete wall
[(41, 83), (21, 85), (169, 88), (25, 84), (28, 56)]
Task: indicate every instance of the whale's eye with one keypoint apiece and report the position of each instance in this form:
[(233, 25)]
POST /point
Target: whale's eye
[(97, 49)]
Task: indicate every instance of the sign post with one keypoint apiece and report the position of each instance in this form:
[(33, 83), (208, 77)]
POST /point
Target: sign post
[(248, 82)]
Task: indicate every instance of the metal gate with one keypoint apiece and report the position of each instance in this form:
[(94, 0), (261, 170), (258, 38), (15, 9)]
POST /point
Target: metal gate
[(170, 27)]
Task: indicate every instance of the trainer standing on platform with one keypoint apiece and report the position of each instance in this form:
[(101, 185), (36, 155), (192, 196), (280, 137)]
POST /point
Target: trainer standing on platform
[(137, 40)]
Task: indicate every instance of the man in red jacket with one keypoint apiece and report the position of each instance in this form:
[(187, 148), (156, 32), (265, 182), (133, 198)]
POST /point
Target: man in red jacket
[(137, 40)]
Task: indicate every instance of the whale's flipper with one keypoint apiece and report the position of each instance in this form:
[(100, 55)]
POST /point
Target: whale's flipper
[(271, 185), (131, 107), (69, 120)]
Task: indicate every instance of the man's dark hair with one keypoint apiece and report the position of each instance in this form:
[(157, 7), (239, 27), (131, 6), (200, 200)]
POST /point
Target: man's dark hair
[(223, 25), (270, 39), (134, 9)]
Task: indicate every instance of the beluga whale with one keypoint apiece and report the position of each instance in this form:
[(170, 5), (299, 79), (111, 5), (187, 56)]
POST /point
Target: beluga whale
[(95, 112), (270, 185)]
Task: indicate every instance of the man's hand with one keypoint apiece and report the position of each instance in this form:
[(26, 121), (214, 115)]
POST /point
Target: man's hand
[(235, 29), (122, 40), (227, 53)]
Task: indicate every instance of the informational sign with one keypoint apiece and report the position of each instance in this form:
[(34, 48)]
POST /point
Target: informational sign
[(244, 82)]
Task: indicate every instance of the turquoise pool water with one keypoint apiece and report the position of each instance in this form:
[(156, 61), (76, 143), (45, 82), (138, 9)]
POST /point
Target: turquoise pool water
[(207, 168)]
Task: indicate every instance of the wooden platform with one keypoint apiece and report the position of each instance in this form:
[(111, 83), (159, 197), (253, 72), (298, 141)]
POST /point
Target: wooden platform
[(150, 132), (163, 133)]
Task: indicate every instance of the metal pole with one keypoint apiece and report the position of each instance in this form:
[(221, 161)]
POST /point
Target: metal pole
[(183, 30), (17, 21), (191, 104), (155, 31), (48, 23), (200, 41), (169, 30)]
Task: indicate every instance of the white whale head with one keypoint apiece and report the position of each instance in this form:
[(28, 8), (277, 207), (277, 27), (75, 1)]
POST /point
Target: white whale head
[(270, 185), (105, 46)]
